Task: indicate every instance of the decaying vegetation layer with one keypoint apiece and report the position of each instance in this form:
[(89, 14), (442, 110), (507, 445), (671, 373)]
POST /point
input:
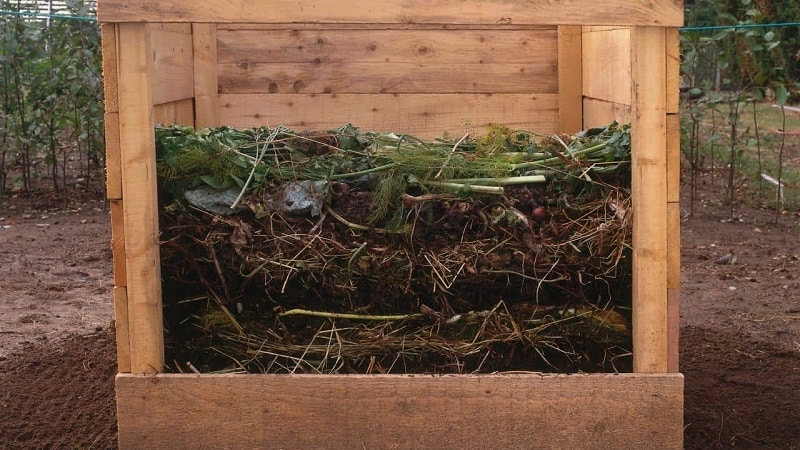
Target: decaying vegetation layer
[(353, 252)]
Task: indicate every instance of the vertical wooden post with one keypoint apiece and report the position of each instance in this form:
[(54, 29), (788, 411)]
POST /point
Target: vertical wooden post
[(673, 197), (206, 92), (649, 185), (140, 207), (570, 93)]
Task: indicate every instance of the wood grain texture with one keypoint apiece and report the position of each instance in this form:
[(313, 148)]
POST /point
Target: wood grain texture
[(502, 411), (570, 72), (425, 116), (113, 156), (673, 87), (607, 64), (139, 191), (598, 113), (649, 198), (308, 44), (121, 329), (181, 111), (547, 12), (388, 78), (108, 37), (118, 242), (206, 91), (673, 285), (173, 73), (673, 158)]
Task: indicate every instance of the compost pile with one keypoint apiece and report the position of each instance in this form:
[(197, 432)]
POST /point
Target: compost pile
[(359, 252)]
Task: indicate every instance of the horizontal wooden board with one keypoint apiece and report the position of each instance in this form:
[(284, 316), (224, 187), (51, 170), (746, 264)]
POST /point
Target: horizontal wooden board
[(425, 116), (575, 12), (388, 78), (181, 111), (173, 74), (597, 113), (301, 45), (607, 64), (525, 411)]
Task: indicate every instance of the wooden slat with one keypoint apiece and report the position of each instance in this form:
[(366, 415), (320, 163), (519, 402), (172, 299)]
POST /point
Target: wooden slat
[(649, 187), (206, 92), (173, 74), (141, 204), (121, 329), (172, 27), (108, 35), (570, 106), (181, 111), (673, 284), (118, 242), (597, 113), (113, 157), (673, 158), (673, 50), (425, 116), (503, 411), (606, 64), (544, 12), (388, 78), (441, 46)]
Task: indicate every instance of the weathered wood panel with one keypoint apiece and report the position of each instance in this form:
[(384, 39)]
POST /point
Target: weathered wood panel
[(607, 64), (673, 86), (172, 75), (113, 156), (570, 70), (140, 209), (649, 199), (545, 12), (673, 286), (598, 113), (387, 78), (108, 35), (121, 329), (388, 61), (181, 111), (502, 411), (425, 116), (206, 90), (309, 44)]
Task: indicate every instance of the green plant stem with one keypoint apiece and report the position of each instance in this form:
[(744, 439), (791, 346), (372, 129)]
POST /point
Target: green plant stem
[(461, 187), (382, 168), (507, 181)]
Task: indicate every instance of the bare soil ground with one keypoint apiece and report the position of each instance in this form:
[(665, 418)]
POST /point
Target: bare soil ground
[(740, 333)]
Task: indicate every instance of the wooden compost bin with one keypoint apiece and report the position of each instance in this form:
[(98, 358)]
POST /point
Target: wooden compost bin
[(422, 67)]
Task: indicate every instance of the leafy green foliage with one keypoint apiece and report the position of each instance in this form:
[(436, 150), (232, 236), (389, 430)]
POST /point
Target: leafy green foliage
[(51, 89)]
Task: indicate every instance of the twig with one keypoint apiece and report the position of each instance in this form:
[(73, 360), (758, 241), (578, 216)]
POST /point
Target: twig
[(450, 155), (332, 315)]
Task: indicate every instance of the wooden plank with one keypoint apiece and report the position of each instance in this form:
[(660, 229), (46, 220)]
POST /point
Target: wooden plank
[(543, 12), (441, 46), (181, 111), (425, 116), (140, 209), (173, 73), (206, 91), (673, 285), (649, 198), (118, 242), (172, 27), (524, 411), (108, 36), (113, 157), (606, 64), (673, 49), (673, 158), (598, 113), (388, 78), (121, 329), (570, 94)]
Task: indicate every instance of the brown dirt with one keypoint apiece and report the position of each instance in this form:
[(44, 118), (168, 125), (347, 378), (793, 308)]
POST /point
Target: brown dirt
[(740, 333)]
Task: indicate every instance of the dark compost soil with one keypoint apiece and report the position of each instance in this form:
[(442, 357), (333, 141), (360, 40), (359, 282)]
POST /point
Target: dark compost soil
[(740, 333)]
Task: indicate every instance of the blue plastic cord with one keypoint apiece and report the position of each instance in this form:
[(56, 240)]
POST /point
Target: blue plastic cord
[(47, 16), (750, 25)]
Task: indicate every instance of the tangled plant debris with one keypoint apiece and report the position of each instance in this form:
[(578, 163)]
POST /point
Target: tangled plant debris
[(358, 252)]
